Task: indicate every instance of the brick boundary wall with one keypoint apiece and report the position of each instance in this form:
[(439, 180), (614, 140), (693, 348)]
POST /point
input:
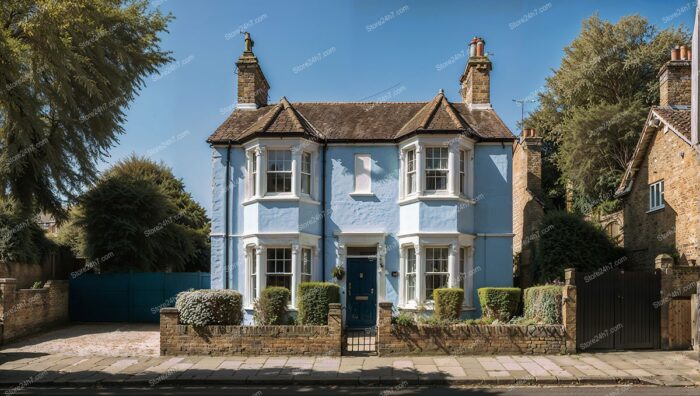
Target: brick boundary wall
[(179, 339), (28, 311), (462, 339)]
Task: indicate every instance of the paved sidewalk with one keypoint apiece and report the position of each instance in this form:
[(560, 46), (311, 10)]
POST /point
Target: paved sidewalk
[(18, 369)]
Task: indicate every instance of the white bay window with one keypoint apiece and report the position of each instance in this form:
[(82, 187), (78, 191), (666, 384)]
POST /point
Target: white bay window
[(436, 168), (279, 171), (436, 270)]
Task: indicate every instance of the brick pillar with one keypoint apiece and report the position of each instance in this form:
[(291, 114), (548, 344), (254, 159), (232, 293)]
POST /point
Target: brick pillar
[(335, 324), (7, 296), (169, 319), (384, 326), (568, 312), (58, 301)]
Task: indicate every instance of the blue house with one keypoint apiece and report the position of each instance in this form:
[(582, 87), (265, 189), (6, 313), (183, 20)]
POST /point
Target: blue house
[(406, 197)]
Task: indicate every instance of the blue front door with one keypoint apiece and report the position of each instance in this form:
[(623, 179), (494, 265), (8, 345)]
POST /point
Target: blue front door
[(361, 307)]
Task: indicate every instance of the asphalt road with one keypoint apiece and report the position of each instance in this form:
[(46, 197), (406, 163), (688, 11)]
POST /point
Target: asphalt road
[(366, 391)]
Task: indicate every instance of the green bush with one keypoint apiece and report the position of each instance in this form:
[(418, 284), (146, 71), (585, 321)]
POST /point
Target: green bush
[(403, 319), (499, 302), (210, 307), (543, 304), (565, 240), (312, 302), (480, 321), (435, 321), (448, 303), (271, 307)]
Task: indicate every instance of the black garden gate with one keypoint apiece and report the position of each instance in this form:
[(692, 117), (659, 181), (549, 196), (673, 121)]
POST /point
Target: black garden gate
[(618, 310)]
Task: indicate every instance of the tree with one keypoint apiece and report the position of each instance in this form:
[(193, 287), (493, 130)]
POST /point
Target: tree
[(140, 217), (67, 70), (565, 240), (21, 239), (594, 106)]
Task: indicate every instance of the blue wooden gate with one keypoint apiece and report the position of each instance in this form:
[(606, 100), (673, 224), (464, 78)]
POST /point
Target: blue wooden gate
[(129, 297)]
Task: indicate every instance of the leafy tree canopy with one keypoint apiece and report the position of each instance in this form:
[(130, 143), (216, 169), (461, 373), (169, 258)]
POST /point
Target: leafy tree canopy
[(593, 107), (139, 217), (68, 69)]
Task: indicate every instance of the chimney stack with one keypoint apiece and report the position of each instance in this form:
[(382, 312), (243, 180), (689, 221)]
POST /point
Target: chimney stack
[(252, 84), (675, 79), (475, 83)]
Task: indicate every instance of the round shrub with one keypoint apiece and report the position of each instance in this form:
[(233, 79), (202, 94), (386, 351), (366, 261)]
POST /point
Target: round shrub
[(403, 319), (448, 303), (271, 307), (565, 240), (499, 302), (313, 299), (543, 304), (210, 307)]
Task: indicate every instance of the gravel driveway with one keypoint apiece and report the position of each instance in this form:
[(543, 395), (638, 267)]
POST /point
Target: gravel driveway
[(93, 339)]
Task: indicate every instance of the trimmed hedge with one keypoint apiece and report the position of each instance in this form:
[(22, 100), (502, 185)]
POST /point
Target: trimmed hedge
[(312, 302), (543, 304), (210, 307), (448, 303), (499, 302), (271, 307)]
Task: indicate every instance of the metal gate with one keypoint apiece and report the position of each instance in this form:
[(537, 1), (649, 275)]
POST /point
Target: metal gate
[(129, 297), (618, 310)]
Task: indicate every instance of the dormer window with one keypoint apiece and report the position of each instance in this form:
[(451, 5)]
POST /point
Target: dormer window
[(436, 169), (279, 171)]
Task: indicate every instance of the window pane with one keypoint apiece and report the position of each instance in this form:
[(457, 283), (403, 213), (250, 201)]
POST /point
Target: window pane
[(410, 261), (435, 270), (432, 282), (279, 267), (410, 287), (280, 280)]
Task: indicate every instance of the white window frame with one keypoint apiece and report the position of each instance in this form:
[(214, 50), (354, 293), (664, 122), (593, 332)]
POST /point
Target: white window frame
[(306, 173), (444, 171), (462, 183), (276, 172), (411, 171), (445, 273), (289, 274), (252, 172), (362, 184), (252, 274), (410, 257), (656, 196), (306, 259)]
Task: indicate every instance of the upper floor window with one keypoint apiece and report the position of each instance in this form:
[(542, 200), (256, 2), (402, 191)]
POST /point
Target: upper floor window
[(462, 172), (656, 195), (279, 171), (253, 173), (436, 272), (436, 168), (410, 171), (306, 173), (363, 173)]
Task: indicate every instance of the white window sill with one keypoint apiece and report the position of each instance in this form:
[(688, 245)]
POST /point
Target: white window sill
[(656, 209), (281, 198), (436, 197), (362, 194)]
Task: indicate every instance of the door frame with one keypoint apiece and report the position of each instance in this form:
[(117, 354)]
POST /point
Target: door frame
[(376, 285)]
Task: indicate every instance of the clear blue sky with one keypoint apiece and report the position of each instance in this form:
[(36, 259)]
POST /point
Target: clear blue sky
[(413, 52)]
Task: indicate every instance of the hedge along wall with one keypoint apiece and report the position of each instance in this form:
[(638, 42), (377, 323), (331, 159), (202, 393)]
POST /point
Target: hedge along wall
[(462, 339), (178, 339), (28, 311)]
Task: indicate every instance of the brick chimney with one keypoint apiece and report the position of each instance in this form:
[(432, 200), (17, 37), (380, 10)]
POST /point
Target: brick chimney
[(475, 84), (675, 79), (531, 144), (252, 84)]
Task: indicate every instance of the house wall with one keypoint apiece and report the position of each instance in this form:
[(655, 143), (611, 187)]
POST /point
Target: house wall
[(490, 219), (647, 235)]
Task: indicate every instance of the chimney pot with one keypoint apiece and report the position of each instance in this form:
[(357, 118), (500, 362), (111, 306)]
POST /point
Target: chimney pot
[(684, 52), (675, 53), (533, 132), (475, 84), (480, 47)]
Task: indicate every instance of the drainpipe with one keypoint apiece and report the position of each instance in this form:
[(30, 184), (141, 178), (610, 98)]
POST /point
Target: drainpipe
[(226, 221), (323, 212)]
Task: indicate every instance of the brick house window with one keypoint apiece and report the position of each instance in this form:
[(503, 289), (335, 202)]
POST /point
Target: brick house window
[(279, 267), (410, 172), (436, 272), (306, 173), (410, 274), (279, 171), (656, 196), (436, 168)]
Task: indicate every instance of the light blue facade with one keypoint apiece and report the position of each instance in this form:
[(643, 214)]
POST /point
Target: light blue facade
[(334, 221)]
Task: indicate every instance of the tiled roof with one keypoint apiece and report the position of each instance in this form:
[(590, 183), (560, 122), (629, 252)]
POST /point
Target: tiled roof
[(678, 121), (381, 121)]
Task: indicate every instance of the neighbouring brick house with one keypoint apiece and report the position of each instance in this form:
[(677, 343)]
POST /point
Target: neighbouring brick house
[(528, 205), (660, 189)]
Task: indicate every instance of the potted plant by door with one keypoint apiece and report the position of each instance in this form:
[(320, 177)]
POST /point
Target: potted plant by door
[(338, 272)]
